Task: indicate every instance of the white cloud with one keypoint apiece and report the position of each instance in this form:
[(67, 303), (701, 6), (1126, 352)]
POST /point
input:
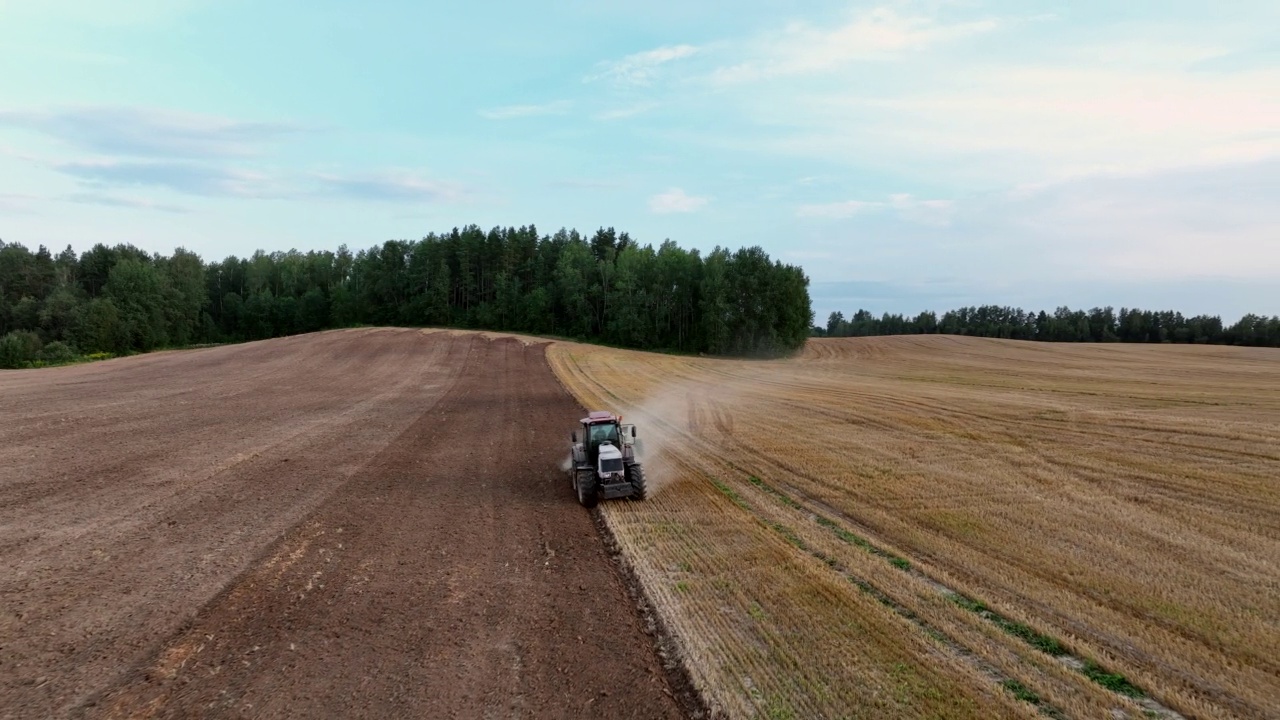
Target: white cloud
[(17, 203), (836, 210), (642, 68), (96, 176), (150, 132), (87, 198), (1129, 98), (190, 178), (676, 200), (983, 125), (1217, 222), (392, 186), (924, 212), (623, 113), (508, 112), (907, 207), (878, 34), (1083, 120)]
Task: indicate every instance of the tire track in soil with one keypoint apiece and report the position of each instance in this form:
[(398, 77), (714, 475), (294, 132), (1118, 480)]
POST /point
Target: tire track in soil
[(455, 576)]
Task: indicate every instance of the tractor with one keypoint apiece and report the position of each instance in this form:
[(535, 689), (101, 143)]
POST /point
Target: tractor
[(603, 464)]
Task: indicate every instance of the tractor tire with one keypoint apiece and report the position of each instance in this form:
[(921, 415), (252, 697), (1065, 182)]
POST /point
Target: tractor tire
[(635, 474), (585, 484)]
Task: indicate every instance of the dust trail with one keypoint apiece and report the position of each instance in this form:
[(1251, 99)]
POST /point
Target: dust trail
[(672, 420), (671, 415)]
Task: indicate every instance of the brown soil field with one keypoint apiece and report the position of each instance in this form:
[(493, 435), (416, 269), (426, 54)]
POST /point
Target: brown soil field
[(365, 523), (959, 527)]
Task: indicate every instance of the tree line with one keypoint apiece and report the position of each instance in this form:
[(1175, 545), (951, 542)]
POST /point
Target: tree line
[(603, 288), (1064, 325)]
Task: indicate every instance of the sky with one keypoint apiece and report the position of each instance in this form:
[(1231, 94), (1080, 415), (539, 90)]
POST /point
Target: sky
[(909, 155)]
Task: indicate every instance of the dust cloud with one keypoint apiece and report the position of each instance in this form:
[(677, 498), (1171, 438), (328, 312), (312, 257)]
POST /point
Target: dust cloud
[(674, 421)]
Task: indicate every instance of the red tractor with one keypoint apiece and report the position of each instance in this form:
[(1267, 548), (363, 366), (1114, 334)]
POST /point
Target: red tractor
[(603, 464)]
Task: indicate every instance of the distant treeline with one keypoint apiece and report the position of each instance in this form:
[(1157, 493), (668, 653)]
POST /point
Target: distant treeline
[(1064, 325), (603, 288)]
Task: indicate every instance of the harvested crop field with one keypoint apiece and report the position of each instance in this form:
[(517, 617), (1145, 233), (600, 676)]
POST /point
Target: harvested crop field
[(960, 527), (366, 523)]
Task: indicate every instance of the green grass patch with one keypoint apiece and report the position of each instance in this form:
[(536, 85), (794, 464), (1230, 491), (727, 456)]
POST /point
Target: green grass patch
[(790, 536), (968, 603), (782, 497), (779, 710), (1020, 691), (843, 534), (1043, 643), (1114, 682), (1026, 694), (731, 494)]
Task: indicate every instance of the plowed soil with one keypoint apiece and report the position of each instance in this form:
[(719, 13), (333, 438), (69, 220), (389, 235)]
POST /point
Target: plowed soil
[(364, 523)]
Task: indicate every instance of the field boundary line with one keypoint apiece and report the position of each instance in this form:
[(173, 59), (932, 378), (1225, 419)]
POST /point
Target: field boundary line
[(667, 644)]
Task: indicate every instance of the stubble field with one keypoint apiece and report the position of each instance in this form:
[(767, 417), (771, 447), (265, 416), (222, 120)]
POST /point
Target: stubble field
[(959, 527)]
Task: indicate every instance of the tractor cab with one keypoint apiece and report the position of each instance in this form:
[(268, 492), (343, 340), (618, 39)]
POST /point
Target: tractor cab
[(600, 427)]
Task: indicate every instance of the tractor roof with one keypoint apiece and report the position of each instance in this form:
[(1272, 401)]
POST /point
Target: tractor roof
[(598, 416)]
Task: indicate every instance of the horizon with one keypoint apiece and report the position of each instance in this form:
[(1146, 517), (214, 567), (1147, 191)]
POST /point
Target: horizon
[(908, 155), (867, 296)]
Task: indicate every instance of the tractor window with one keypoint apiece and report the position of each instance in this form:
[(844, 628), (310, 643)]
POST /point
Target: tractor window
[(603, 432)]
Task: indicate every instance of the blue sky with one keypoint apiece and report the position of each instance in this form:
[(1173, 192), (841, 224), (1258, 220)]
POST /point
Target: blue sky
[(909, 155)]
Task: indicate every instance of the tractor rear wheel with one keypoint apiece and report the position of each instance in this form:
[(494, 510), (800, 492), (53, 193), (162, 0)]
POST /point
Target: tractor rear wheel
[(635, 474), (586, 487)]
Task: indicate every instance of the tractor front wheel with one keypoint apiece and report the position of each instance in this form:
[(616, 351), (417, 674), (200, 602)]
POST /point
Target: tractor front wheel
[(635, 474), (586, 486)]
